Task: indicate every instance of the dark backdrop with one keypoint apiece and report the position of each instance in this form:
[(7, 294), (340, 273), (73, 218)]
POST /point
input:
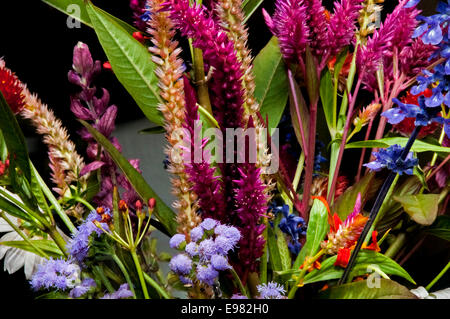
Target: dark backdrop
[(37, 45)]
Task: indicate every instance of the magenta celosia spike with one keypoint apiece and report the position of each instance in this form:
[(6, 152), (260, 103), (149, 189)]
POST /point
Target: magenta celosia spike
[(415, 57), (289, 25), (319, 25), (218, 53), (343, 24)]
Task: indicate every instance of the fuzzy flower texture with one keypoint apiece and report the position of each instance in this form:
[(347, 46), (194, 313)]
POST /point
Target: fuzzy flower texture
[(206, 254)]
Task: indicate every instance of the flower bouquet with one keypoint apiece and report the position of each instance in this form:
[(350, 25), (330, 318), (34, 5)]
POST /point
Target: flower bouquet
[(316, 167)]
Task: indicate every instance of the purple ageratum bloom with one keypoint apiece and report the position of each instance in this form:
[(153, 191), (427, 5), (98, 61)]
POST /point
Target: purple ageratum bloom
[(196, 233), (83, 288), (238, 296), (224, 245), (230, 232), (123, 292), (78, 246), (181, 264), (220, 262), (178, 241), (191, 249), (185, 280), (206, 249), (391, 159), (289, 25), (271, 290), (208, 224), (206, 274), (56, 273)]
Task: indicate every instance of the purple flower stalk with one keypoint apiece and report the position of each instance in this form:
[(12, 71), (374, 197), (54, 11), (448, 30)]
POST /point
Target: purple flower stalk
[(289, 25)]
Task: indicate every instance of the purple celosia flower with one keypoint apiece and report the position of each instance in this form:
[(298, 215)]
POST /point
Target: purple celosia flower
[(319, 28), (342, 24), (123, 292), (181, 264), (56, 273), (78, 246), (271, 290), (391, 159), (83, 288), (191, 249), (220, 262), (178, 241), (206, 274), (140, 14), (289, 25), (196, 233), (208, 224)]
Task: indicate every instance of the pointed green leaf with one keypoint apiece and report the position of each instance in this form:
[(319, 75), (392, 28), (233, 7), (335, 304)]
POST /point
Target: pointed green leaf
[(47, 246), (312, 79), (303, 113), (153, 130), (165, 215), (285, 255), (418, 146), (249, 7), (271, 89), (387, 289), (317, 229), (422, 208), (365, 260), (131, 62), (440, 228), (326, 96), (274, 253), (12, 209), (77, 10)]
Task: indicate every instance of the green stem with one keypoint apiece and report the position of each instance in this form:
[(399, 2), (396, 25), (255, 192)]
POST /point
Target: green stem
[(21, 234), (60, 242), (299, 170), (306, 265), (435, 155), (396, 245), (99, 272), (157, 287), (431, 284), (124, 272), (239, 282), (140, 274), (84, 202), (263, 264), (202, 87), (47, 192)]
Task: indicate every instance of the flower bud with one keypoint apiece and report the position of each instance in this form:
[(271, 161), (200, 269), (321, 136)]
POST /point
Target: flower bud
[(151, 203)]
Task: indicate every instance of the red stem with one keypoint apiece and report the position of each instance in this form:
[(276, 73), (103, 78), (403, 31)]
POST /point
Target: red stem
[(363, 151)]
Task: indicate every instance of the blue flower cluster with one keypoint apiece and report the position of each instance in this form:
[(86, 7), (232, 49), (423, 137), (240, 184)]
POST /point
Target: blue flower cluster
[(206, 254), (434, 30), (319, 159), (123, 292), (62, 275), (271, 290), (391, 159), (78, 246), (292, 225)]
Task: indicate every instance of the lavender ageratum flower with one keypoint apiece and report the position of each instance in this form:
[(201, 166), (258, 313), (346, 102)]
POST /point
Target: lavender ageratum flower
[(123, 292), (271, 290), (230, 232), (83, 288), (238, 296), (207, 248), (78, 246), (56, 273), (191, 249), (185, 280), (208, 224), (390, 158), (178, 241), (206, 274), (181, 264), (196, 233), (220, 262)]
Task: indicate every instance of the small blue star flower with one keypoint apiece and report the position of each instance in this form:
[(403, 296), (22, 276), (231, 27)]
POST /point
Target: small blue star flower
[(391, 159)]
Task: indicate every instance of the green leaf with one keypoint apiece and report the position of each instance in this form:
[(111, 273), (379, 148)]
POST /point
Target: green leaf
[(317, 229), (131, 62), (274, 253), (249, 7), (282, 246), (165, 215), (326, 96), (418, 146), (387, 289), (77, 10), (365, 259), (153, 130), (14, 210), (422, 208), (14, 139), (440, 228), (271, 83), (304, 113), (47, 246), (367, 186)]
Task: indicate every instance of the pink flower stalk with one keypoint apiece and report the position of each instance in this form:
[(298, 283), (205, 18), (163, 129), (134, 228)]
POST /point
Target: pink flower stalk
[(289, 25), (218, 53), (319, 23), (415, 57), (342, 24)]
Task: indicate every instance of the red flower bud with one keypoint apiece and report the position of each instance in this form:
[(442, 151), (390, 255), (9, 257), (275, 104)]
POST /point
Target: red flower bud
[(100, 210), (107, 65), (151, 203), (123, 206), (138, 205)]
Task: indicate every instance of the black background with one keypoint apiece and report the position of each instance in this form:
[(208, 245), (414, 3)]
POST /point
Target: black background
[(37, 45)]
